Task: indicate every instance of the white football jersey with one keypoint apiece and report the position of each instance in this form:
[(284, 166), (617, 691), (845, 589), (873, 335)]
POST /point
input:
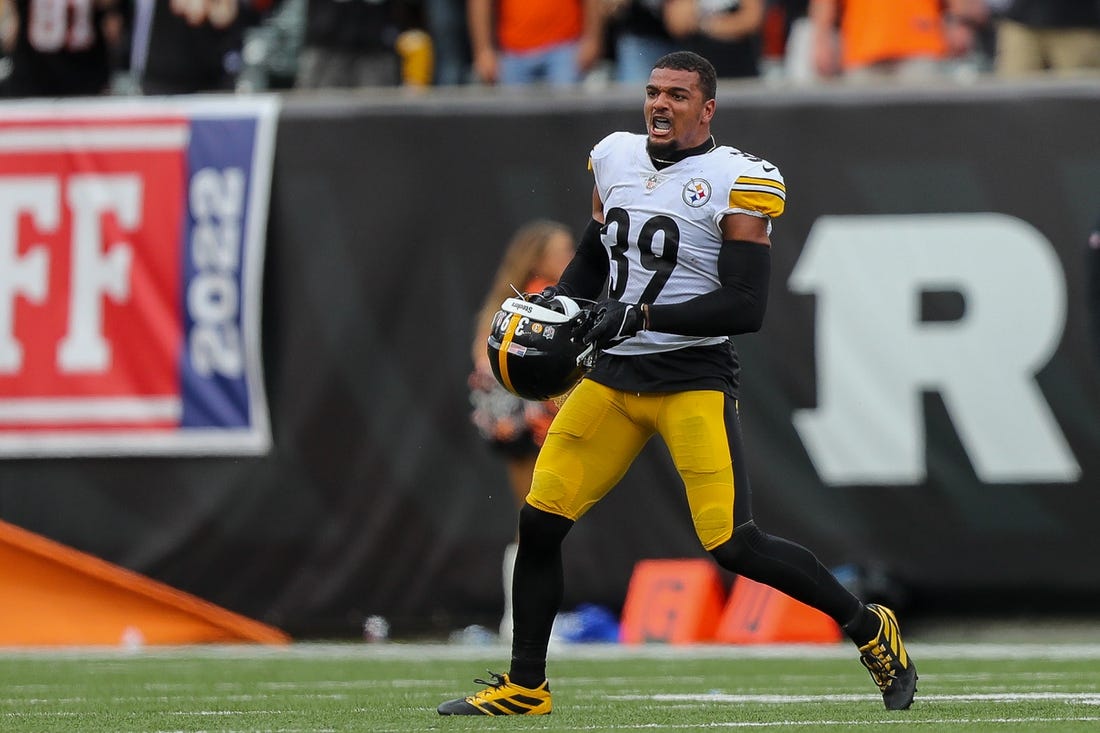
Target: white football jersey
[(662, 226)]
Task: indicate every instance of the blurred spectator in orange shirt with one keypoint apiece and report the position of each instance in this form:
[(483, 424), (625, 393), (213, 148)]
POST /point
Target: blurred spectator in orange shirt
[(894, 38), (552, 41)]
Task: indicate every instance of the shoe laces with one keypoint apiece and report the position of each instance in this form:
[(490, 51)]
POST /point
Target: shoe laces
[(498, 682), (880, 662)]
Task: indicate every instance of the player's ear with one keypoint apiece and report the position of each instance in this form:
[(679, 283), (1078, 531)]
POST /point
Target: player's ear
[(708, 110)]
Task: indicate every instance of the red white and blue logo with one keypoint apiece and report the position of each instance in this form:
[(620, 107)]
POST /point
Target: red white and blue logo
[(696, 192), (131, 253)]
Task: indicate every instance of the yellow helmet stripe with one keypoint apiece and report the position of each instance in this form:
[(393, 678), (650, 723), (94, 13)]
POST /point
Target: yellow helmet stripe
[(502, 353)]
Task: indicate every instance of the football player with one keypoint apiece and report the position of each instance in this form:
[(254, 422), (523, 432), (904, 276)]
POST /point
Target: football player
[(680, 230)]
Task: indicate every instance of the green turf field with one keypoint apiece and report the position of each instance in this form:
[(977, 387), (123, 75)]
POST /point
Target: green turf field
[(395, 687)]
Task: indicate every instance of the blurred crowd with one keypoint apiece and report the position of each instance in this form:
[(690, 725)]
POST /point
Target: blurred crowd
[(92, 47)]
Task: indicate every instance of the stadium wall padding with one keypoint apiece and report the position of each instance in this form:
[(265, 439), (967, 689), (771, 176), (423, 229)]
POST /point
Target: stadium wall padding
[(388, 214)]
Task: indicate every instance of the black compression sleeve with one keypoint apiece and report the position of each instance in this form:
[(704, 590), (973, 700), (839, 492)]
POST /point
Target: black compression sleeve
[(736, 307), (586, 273)]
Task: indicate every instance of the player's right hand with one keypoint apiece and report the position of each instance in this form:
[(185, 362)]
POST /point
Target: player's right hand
[(614, 322)]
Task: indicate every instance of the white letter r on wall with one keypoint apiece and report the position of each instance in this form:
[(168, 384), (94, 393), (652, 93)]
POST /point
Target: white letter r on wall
[(875, 357)]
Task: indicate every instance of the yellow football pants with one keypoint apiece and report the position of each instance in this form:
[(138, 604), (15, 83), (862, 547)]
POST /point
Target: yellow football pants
[(600, 431)]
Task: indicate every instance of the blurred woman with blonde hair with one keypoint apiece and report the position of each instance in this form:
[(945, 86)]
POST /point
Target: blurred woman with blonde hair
[(515, 428)]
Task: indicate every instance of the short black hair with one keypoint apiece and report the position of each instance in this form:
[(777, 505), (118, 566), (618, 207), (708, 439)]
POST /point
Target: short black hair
[(689, 61)]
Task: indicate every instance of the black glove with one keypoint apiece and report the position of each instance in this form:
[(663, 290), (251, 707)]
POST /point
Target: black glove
[(614, 322), (544, 297)]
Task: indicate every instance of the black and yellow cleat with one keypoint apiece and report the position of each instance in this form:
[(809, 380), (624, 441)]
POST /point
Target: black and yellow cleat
[(888, 662), (501, 697)]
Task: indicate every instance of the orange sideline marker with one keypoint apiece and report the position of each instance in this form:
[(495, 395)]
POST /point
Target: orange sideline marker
[(759, 614), (55, 595), (672, 601)]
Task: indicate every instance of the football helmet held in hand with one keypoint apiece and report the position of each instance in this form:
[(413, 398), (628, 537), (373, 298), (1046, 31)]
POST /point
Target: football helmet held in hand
[(536, 351)]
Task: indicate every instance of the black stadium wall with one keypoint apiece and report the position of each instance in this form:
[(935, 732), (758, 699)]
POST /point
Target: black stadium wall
[(923, 400)]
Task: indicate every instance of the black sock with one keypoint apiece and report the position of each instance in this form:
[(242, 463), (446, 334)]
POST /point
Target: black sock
[(537, 589), (863, 627), (527, 672)]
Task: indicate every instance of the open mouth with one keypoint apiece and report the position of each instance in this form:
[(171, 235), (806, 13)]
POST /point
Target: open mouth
[(660, 125)]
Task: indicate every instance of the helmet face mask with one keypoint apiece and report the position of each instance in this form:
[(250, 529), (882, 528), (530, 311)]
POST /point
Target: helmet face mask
[(534, 350)]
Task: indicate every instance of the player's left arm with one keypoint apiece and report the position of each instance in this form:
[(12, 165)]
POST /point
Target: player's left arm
[(738, 304)]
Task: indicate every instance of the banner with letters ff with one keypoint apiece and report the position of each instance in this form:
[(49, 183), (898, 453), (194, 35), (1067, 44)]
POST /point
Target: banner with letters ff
[(131, 256)]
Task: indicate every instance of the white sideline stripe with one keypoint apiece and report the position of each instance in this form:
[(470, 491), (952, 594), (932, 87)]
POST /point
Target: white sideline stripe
[(650, 726), (94, 137), (1092, 698), (499, 652), (22, 411)]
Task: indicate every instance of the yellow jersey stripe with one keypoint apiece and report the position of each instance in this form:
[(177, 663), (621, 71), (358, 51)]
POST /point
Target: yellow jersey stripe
[(770, 182), (766, 202)]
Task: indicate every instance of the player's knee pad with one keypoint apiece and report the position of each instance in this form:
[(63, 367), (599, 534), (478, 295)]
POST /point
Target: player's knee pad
[(740, 548), (538, 528)]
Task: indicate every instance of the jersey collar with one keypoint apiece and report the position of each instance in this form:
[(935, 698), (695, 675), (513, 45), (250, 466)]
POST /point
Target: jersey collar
[(661, 163)]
